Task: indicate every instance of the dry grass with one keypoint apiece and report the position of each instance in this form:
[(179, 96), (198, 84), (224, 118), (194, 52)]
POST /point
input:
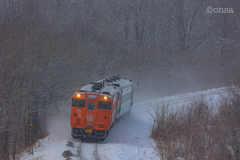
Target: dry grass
[(196, 131)]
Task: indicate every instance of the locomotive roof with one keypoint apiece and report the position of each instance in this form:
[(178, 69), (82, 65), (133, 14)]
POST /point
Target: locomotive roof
[(106, 86)]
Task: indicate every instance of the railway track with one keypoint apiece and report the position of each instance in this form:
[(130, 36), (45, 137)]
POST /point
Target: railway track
[(185, 98), (85, 150)]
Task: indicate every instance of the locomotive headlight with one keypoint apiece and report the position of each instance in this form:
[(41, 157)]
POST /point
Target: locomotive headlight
[(105, 97), (78, 95)]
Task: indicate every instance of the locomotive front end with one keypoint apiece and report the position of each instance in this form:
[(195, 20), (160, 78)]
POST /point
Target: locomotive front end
[(90, 115)]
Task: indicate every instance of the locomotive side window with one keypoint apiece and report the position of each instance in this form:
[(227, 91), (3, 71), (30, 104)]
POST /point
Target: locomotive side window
[(91, 105), (126, 97), (104, 105), (78, 102)]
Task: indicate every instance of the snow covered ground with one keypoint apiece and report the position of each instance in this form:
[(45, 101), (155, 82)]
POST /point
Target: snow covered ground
[(128, 139)]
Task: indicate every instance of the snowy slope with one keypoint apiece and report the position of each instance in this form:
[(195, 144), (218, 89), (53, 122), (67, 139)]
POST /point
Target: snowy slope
[(128, 139)]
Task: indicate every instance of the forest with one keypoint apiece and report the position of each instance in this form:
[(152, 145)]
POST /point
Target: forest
[(51, 48)]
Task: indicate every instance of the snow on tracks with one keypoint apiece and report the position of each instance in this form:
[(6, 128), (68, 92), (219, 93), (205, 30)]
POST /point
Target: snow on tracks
[(181, 99), (84, 150)]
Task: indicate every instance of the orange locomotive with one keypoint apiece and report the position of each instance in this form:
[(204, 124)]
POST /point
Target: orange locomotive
[(97, 105)]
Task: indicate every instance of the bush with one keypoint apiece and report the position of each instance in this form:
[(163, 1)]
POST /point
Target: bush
[(196, 131), (67, 154)]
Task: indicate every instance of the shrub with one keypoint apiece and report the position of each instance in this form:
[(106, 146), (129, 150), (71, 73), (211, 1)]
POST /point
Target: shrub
[(196, 131)]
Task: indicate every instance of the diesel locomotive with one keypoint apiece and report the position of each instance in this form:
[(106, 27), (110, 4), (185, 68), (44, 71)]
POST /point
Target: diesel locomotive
[(96, 106)]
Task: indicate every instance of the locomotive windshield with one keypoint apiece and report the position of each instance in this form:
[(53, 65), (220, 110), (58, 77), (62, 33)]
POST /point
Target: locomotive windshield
[(104, 105), (78, 102), (91, 105)]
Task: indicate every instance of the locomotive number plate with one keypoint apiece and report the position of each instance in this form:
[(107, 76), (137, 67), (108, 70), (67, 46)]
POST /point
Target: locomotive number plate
[(89, 131)]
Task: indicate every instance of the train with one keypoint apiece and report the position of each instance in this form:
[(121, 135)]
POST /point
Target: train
[(96, 107)]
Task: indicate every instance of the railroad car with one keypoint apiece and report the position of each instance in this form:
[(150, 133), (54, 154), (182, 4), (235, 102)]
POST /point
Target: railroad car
[(96, 106)]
